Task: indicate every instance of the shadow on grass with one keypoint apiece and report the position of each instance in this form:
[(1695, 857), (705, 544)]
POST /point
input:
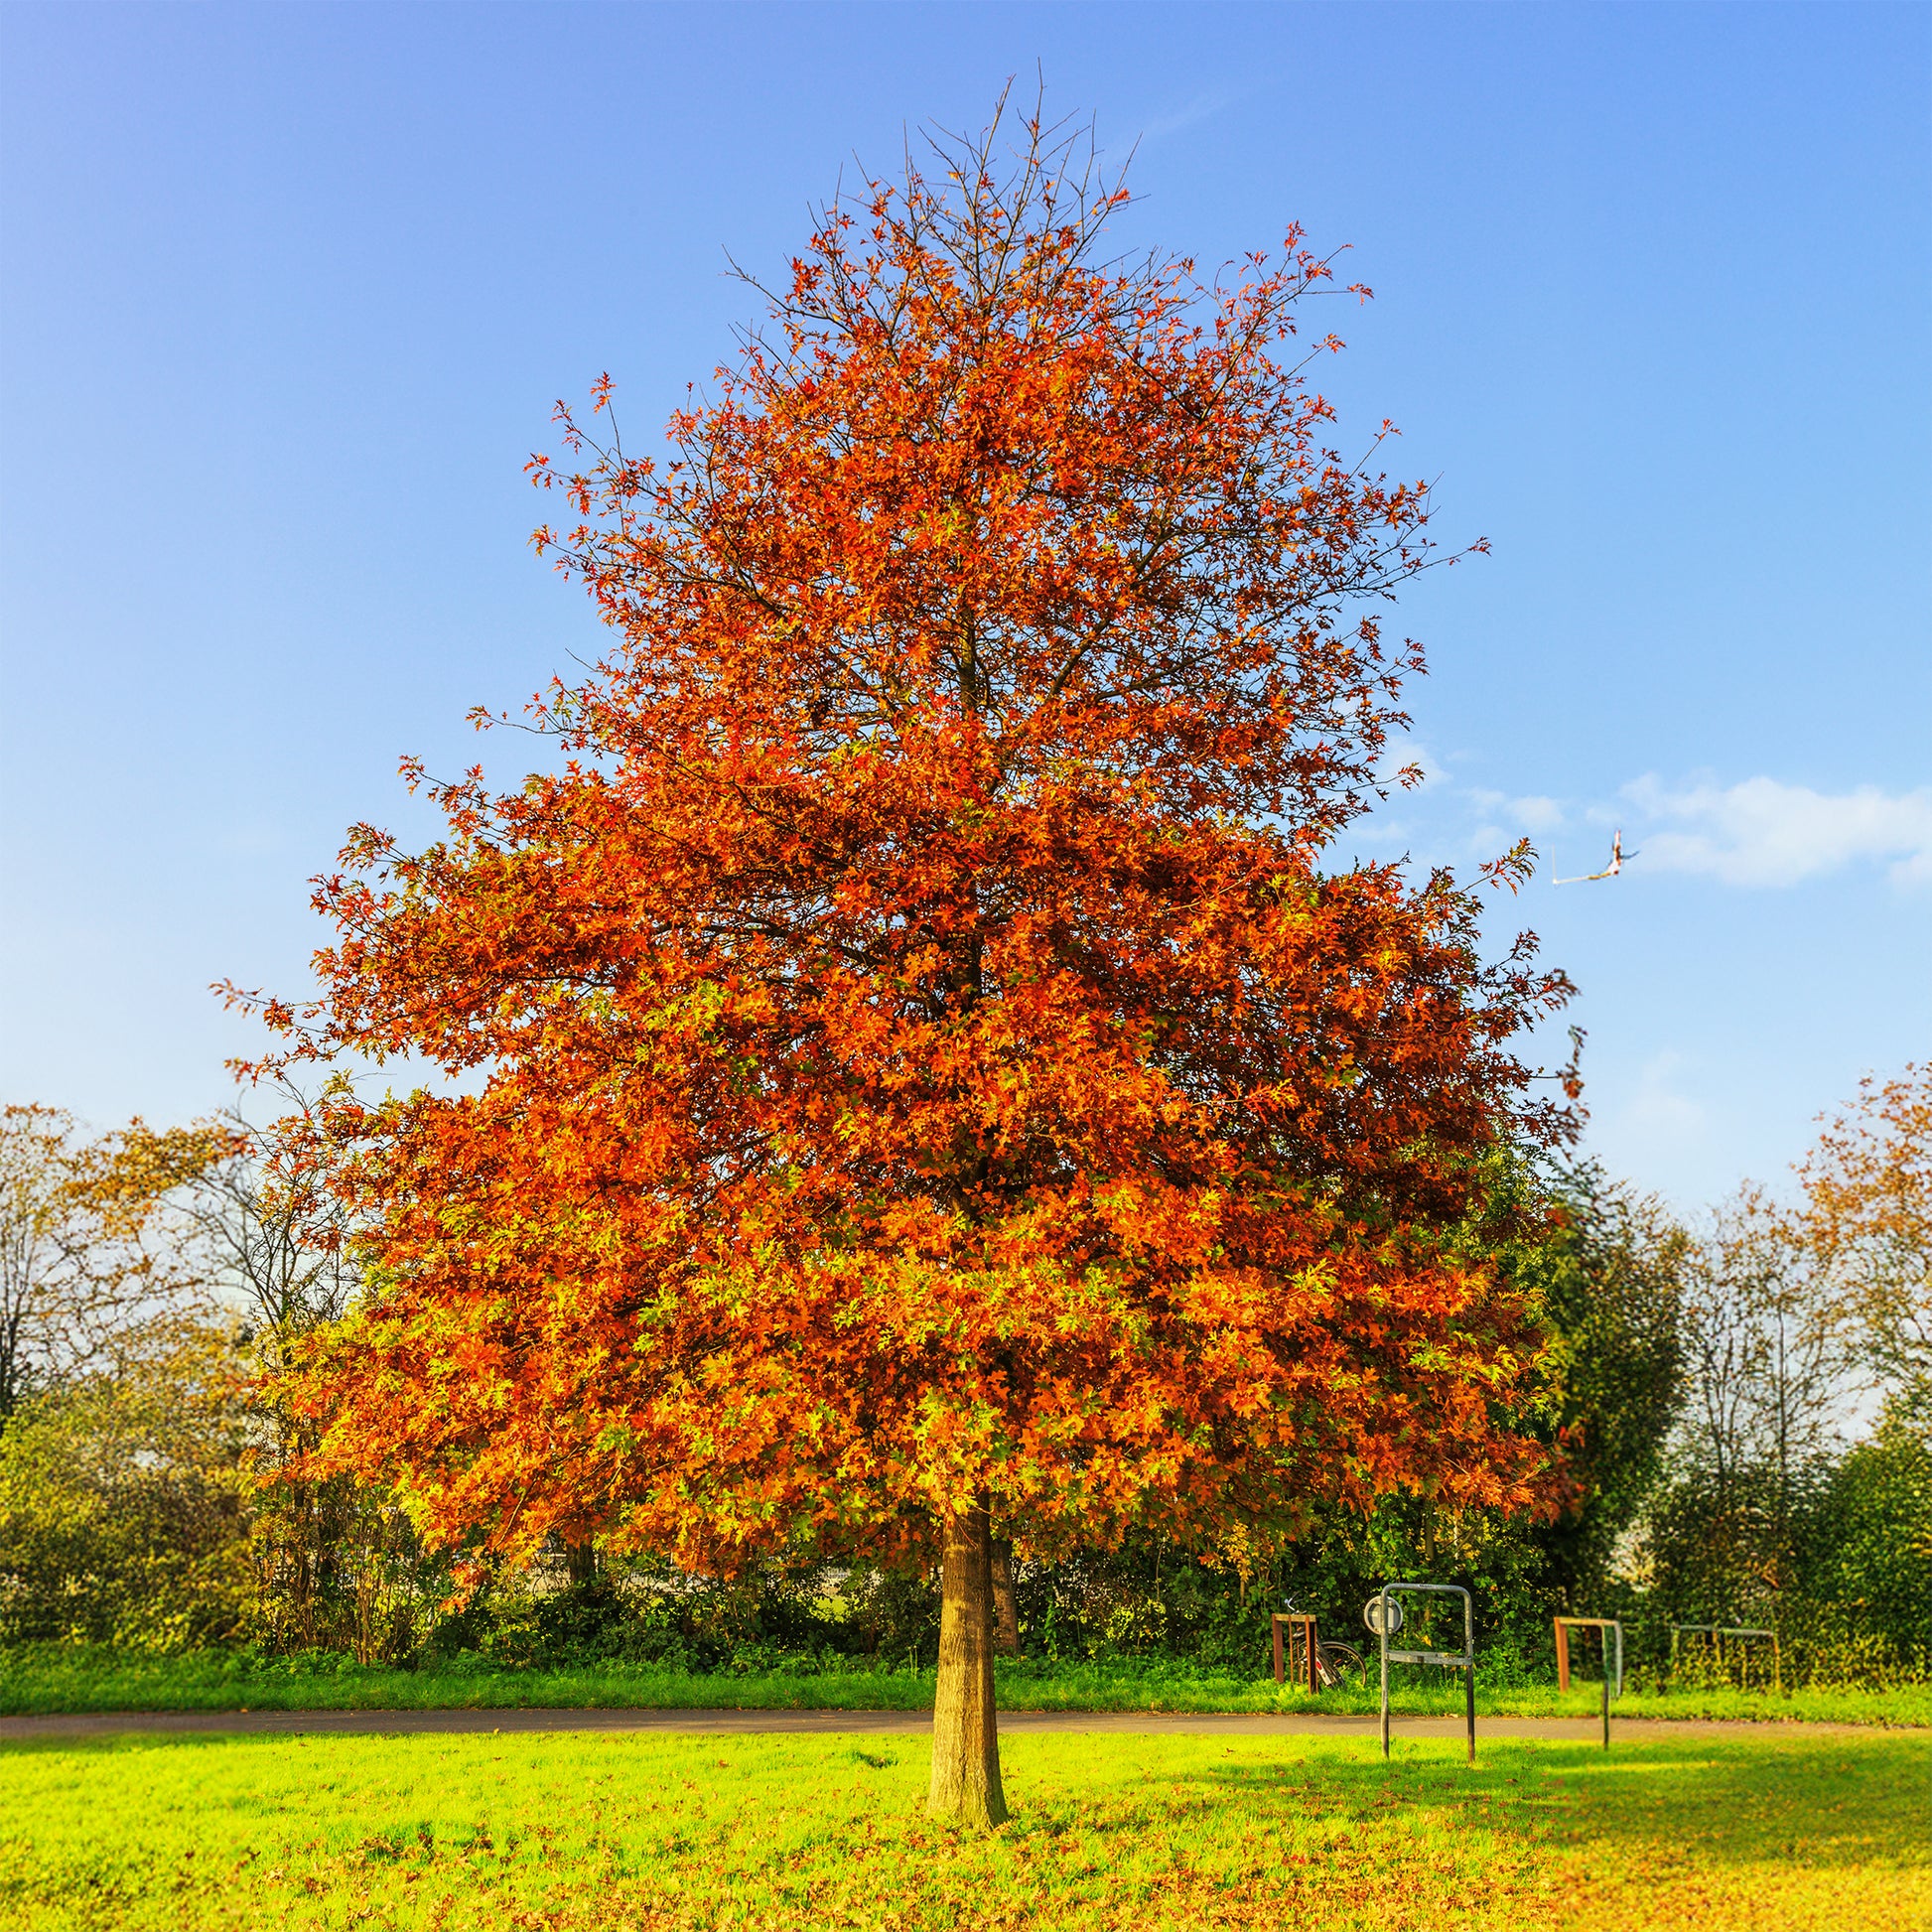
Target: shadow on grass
[(82, 1745), (1826, 1801)]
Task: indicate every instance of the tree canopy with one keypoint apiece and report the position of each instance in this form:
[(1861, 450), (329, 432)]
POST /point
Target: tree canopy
[(915, 1064)]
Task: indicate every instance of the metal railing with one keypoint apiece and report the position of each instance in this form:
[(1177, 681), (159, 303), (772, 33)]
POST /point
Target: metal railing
[(1383, 1615), (1718, 1633), (1611, 1626)]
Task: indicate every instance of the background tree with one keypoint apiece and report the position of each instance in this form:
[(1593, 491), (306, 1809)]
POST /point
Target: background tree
[(1867, 1569), (124, 1499), (82, 1278), (338, 1565), (1771, 1374), (121, 1501), (280, 1253), (1771, 1368), (1868, 1192), (910, 1080), (1611, 1279)]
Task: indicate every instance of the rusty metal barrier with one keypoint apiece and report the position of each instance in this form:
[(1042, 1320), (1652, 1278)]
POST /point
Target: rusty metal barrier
[(1297, 1628), (1611, 1626)]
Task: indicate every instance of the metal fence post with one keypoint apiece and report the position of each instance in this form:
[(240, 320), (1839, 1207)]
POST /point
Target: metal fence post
[(1382, 1618), (1469, 1670)]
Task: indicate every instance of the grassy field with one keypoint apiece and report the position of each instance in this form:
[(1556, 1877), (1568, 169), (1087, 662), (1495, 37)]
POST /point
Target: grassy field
[(672, 1834), (55, 1679)]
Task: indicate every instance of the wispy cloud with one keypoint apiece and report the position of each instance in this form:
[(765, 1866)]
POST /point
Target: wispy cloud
[(1204, 106), (1530, 813), (1657, 1110), (1401, 754), (1491, 820), (1762, 832), (1757, 833)]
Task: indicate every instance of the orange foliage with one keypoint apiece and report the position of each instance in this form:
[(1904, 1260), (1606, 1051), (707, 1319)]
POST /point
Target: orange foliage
[(1868, 1216), (912, 1049)]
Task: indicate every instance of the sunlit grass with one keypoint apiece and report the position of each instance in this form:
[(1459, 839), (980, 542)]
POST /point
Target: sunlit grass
[(577, 1831)]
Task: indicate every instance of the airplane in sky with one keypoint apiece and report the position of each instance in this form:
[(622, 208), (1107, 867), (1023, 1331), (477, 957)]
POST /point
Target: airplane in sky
[(1617, 857)]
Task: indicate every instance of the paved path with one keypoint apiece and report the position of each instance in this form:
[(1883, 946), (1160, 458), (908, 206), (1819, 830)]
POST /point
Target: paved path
[(1012, 1722)]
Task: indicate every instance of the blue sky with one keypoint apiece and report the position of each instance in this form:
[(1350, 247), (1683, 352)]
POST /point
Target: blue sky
[(286, 294)]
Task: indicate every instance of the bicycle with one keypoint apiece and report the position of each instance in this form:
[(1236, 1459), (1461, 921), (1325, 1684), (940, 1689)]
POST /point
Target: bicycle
[(1335, 1662)]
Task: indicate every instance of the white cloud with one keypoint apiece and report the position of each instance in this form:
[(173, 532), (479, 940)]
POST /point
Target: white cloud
[(1764, 833), (1399, 752), (1760, 832), (1657, 1112), (1537, 813), (1531, 813)]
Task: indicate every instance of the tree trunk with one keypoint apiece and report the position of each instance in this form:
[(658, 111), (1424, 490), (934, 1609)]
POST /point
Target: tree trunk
[(965, 1733), (1006, 1611)]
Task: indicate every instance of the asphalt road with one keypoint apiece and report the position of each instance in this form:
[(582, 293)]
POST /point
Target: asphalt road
[(390, 1724)]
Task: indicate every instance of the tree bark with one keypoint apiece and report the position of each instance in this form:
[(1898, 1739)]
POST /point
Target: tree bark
[(965, 1733), (1006, 1610)]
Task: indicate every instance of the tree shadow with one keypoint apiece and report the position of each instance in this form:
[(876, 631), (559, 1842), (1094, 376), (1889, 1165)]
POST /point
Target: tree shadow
[(1828, 1801)]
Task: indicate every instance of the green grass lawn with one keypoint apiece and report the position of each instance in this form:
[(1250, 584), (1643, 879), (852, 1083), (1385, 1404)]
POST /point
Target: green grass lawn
[(57, 1679), (651, 1833)]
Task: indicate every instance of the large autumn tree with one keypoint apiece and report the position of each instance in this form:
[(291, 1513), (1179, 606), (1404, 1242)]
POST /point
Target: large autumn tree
[(913, 1073)]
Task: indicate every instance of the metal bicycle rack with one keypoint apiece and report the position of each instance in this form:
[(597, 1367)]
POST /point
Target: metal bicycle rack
[(1297, 1625), (1612, 1627), (1383, 1615), (1718, 1632)]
